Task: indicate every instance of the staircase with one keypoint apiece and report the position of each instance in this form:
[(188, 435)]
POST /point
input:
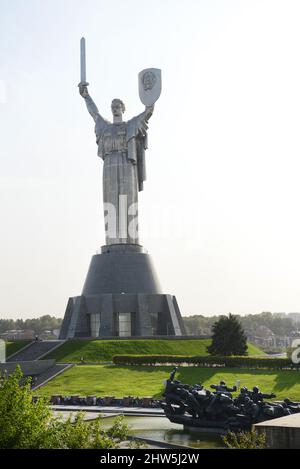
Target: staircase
[(51, 373), (35, 351)]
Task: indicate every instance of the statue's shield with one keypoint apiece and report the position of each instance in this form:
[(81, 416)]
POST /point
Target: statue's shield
[(149, 85)]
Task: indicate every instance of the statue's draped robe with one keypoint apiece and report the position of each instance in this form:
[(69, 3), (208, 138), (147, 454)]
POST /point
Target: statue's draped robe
[(122, 147)]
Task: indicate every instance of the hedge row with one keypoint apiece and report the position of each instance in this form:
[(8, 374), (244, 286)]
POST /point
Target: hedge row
[(207, 361)]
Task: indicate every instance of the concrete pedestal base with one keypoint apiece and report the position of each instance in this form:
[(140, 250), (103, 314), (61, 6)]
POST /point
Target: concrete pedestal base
[(121, 297)]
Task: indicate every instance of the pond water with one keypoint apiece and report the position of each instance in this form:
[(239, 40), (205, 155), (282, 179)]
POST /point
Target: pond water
[(161, 429)]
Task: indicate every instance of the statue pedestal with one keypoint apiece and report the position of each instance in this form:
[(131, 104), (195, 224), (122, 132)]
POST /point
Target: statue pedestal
[(121, 297)]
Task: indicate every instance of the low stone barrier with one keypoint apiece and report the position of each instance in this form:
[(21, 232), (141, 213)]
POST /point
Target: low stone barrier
[(106, 401)]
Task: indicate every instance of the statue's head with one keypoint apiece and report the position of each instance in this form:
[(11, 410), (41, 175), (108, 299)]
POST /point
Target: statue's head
[(117, 107), (222, 383)]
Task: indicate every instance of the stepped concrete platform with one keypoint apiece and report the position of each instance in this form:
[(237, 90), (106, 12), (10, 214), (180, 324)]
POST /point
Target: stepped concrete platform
[(41, 370), (283, 432), (29, 368), (35, 350)]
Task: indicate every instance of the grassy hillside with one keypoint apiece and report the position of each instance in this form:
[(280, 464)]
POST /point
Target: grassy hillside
[(103, 350), (109, 380), (255, 351), (13, 347)]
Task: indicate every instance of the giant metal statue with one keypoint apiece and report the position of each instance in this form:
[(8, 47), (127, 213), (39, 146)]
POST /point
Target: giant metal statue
[(122, 146), (121, 295)]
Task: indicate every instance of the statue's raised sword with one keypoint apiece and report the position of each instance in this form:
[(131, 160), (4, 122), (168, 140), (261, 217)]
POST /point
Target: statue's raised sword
[(82, 62)]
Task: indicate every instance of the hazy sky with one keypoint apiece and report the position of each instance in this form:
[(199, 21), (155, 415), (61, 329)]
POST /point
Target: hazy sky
[(220, 209)]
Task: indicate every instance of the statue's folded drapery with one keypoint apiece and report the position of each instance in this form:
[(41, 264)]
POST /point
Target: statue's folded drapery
[(135, 132), (122, 146)]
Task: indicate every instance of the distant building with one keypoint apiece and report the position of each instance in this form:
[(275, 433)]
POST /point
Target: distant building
[(265, 338), (17, 334), (48, 335)]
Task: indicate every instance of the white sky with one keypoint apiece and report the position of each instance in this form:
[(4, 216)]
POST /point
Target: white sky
[(223, 154)]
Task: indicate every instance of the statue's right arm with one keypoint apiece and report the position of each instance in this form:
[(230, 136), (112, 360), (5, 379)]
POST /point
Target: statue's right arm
[(91, 106), (233, 389)]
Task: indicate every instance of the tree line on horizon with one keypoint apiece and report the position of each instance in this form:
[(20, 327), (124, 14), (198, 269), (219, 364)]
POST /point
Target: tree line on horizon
[(195, 325), (38, 325), (281, 326)]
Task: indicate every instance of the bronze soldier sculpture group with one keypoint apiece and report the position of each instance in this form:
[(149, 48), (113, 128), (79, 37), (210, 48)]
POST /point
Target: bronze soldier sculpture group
[(196, 406)]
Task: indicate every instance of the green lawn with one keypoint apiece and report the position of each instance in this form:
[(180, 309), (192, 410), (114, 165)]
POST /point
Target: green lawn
[(13, 347), (142, 381), (103, 350)]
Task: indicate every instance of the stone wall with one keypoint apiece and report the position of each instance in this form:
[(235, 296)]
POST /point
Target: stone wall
[(283, 433)]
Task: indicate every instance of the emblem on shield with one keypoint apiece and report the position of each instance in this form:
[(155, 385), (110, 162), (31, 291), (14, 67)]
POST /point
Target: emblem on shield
[(149, 85)]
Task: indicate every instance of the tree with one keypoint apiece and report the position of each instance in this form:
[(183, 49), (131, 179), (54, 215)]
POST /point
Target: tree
[(228, 337), (28, 424)]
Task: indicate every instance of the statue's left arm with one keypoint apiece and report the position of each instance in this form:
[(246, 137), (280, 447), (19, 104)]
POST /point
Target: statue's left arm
[(143, 119), (148, 111)]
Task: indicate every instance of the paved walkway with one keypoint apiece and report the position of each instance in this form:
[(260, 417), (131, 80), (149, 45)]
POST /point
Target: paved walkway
[(111, 410), (65, 414)]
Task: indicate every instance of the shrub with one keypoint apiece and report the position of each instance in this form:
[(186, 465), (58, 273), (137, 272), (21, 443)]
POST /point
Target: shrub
[(206, 361), (245, 440)]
